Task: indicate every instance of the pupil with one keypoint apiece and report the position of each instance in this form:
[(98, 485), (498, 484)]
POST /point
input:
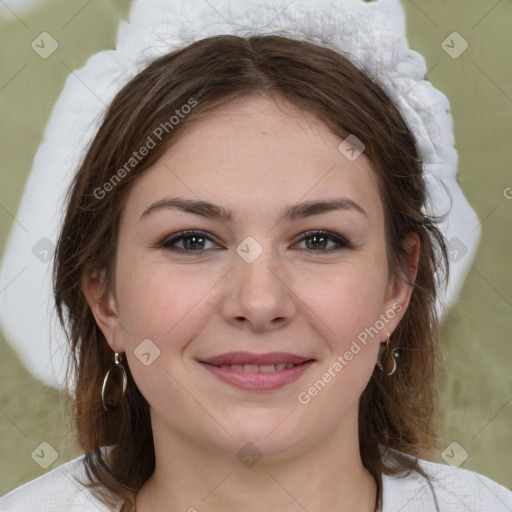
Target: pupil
[(317, 239), (194, 240)]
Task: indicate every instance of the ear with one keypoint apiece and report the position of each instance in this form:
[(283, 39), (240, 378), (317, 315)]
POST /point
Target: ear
[(398, 292), (104, 308)]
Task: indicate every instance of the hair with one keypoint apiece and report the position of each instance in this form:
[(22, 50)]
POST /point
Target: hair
[(396, 412)]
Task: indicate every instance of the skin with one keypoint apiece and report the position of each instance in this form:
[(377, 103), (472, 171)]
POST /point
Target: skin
[(254, 157)]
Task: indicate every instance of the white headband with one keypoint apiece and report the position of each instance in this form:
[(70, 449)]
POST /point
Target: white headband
[(372, 35)]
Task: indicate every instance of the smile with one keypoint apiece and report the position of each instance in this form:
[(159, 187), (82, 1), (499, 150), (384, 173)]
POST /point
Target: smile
[(256, 372), (265, 368)]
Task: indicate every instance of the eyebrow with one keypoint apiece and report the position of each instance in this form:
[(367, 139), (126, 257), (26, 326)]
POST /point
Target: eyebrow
[(293, 212)]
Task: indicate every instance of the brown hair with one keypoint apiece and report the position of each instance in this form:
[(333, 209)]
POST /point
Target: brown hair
[(395, 412)]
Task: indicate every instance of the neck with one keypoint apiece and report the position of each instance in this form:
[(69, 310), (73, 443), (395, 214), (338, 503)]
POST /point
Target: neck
[(327, 476)]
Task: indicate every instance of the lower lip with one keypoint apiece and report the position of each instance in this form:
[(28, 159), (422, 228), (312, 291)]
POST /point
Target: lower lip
[(258, 381)]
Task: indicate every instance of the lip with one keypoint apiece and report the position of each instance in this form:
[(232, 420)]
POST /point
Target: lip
[(254, 358), (257, 381)]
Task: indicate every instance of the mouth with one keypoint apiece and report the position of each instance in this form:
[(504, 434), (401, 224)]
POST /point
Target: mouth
[(253, 359), (260, 368), (257, 372)]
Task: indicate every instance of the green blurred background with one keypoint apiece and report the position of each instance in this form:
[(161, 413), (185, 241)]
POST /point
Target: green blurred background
[(475, 378)]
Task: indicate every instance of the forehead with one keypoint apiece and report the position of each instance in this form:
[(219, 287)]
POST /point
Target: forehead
[(253, 154)]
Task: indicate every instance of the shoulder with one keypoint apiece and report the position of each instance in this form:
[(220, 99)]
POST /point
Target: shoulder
[(59, 490), (448, 489)]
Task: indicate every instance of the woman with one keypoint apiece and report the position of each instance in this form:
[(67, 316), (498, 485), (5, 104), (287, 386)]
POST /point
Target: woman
[(247, 275)]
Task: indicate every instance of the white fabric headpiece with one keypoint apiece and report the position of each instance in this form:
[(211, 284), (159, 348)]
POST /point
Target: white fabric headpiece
[(371, 34)]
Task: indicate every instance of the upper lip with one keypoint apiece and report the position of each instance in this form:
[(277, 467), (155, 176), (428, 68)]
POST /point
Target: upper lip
[(252, 358)]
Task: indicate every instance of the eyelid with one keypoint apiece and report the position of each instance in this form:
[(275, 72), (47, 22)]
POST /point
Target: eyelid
[(168, 241), (165, 242), (338, 239)]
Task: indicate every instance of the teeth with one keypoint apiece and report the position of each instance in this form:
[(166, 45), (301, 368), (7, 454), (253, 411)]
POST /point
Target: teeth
[(263, 368)]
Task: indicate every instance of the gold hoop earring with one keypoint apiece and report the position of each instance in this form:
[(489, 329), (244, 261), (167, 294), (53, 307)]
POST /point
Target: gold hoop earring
[(118, 368), (387, 358)]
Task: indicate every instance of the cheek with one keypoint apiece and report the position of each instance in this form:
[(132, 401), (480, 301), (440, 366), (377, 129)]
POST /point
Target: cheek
[(349, 306), (167, 307), (347, 300), (158, 300)]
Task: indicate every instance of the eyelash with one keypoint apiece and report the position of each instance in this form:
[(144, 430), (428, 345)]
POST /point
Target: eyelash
[(169, 242)]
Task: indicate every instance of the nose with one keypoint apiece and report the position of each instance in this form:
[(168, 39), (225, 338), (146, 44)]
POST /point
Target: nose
[(259, 294)]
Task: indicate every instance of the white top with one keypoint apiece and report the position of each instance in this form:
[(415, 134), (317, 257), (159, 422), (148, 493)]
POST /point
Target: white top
[(456, 490)]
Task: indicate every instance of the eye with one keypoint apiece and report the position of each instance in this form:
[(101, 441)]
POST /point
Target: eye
[(196, 241), (186, 242), (319, 240)]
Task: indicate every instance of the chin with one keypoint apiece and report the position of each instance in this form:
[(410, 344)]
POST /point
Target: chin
[(267, 434)]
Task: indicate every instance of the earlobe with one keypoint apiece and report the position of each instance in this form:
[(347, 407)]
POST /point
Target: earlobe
[(103, 306)]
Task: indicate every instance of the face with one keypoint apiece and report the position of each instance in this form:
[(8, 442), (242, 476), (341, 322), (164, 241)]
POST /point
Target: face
[(253, 286)]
